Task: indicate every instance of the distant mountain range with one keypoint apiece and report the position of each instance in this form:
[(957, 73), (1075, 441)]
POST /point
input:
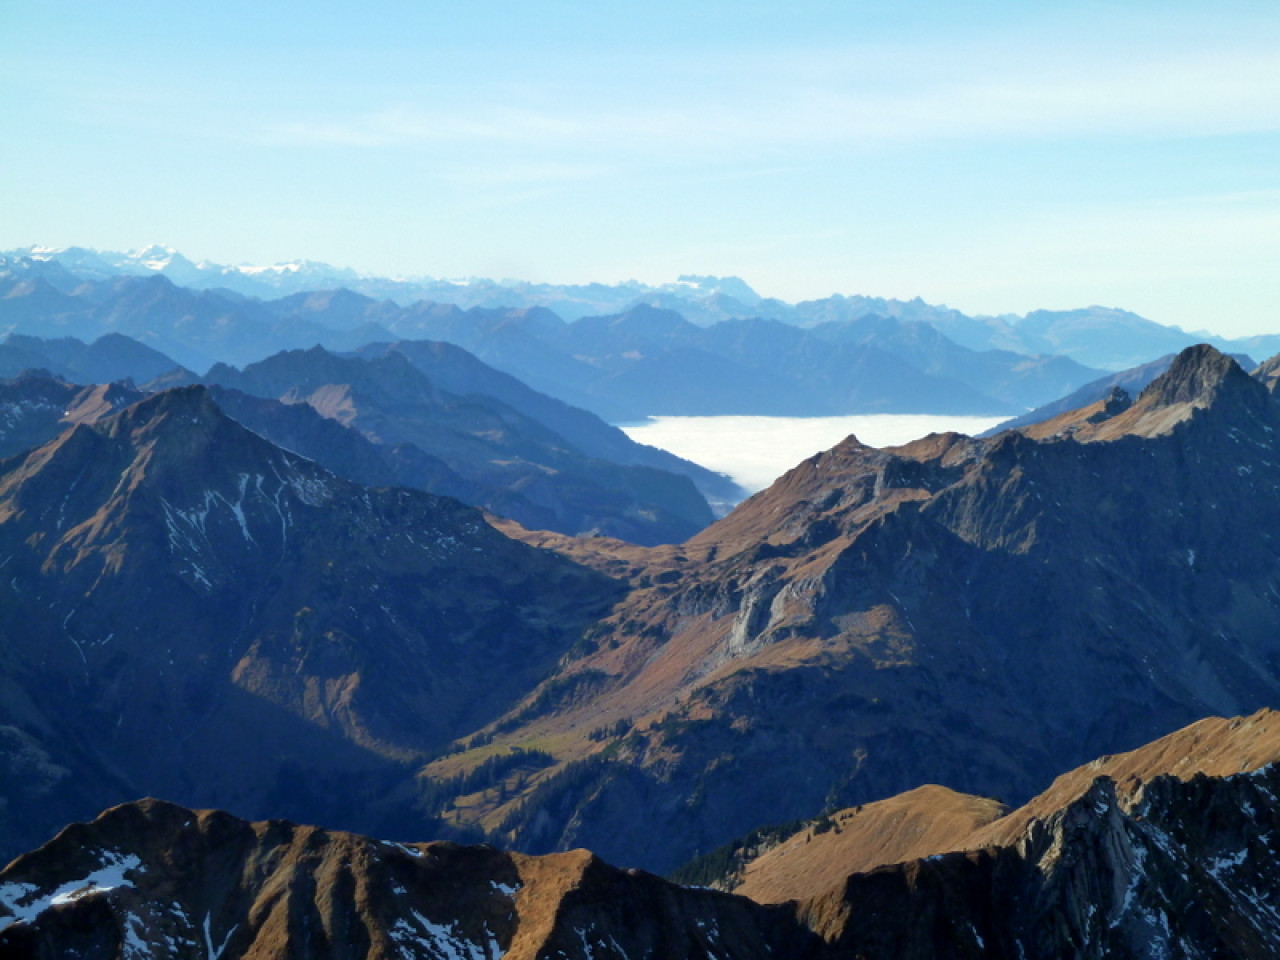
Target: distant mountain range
[(1098, 337), (1164, 852), (218, 589), (975, 612), (644, 361), (553, 467)]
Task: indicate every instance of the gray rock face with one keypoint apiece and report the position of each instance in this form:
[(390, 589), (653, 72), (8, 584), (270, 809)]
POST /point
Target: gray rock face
[(1187, 869)]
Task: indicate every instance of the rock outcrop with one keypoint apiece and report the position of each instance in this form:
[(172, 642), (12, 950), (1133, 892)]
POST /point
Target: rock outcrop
[(1172, 862)]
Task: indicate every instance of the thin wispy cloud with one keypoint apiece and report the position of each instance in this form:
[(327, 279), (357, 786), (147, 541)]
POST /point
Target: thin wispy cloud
[(1224, 93)]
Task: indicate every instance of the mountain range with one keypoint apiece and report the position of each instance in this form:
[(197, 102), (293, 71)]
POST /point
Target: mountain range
[(1100, 337), (641, 362), (218, 590), (553, 467), (971, 612), (1163, 852), (480, 449), (188, 610)]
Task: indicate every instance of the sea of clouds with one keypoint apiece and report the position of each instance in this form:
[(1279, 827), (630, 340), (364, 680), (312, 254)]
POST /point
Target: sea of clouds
[(755, 451)]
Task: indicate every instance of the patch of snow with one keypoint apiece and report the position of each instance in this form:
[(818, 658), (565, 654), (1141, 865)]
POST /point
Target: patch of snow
[(441, 940), (135, 946), (407, 849), (1217, 866), (1135, 880), (211, 952), (25, 902), (314, 490)]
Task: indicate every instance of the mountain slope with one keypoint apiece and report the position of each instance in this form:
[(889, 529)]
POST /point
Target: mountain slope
[(165, 881), (968, 612), (1174, 864), (226, 623), (35, 408), (457, 371), (109, 358), (931, 820), (514, 465)]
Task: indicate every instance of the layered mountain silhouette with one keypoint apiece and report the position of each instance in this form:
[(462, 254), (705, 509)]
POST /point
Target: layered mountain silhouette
[(641, 360), (453, 369), (188, 610), (191, 612), (1163, 852), (969, 612), (109, 358), (652, 361), (1096, 336), (477, 447), (464, 430)]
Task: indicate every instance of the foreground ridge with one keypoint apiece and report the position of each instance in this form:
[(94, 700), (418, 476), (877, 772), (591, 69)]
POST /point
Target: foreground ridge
[(1173, 862)]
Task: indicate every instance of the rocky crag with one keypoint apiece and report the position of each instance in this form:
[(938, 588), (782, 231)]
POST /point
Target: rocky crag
[(1172, 860)]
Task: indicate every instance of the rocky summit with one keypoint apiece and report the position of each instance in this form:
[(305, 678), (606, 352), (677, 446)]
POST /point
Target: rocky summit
[(1176, 858), (968, 612)]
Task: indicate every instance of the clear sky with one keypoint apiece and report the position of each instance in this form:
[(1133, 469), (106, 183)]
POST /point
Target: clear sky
[(991, 156)]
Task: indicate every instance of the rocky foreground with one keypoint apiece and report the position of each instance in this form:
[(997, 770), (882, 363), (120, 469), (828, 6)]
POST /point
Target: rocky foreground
[(1169, 851)]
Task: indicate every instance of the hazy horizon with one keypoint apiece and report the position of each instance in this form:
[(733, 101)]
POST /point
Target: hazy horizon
[(996, 157)]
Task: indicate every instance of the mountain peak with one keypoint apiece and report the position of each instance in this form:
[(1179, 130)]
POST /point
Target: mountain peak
[(1200, 378), (192, 402), (1197, 375)]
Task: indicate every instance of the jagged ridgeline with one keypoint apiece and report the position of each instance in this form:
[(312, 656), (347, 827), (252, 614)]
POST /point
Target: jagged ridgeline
[(967, 612), (419, 414), (1166, 852)]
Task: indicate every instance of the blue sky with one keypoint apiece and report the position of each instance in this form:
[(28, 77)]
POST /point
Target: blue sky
[(991, 156)]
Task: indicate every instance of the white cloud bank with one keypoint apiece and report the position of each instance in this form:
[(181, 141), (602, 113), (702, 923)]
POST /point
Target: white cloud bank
[(755, 451)]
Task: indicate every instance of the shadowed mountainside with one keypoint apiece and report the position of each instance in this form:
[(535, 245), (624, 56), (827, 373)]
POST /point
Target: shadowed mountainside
[(208, 617), (508, 461), (1176, 861)]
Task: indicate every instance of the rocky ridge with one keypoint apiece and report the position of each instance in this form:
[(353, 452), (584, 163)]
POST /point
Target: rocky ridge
[(1175, 864), (967, 612)]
